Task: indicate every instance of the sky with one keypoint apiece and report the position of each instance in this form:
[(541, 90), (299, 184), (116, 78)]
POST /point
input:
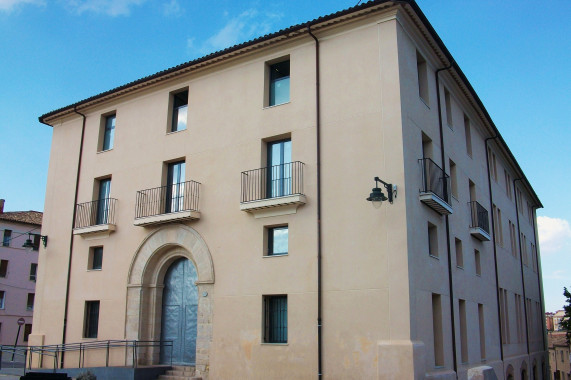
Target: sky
[(515, 53)]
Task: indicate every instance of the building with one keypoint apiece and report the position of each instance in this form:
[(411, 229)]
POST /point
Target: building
[(18, 267), (559, 356), (558, 316), (222, 205), (549, 321)]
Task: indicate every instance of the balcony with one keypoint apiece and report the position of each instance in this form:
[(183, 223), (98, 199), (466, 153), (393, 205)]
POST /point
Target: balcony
[(172, 203), (479, 225), (274, 190), (436, 187), (96, 218)]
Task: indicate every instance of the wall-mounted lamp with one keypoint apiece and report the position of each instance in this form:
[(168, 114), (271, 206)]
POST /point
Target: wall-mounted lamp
[(377, 196), (29, 244)]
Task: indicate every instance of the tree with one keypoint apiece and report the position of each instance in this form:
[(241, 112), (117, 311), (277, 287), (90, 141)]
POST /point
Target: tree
[(565, 323)]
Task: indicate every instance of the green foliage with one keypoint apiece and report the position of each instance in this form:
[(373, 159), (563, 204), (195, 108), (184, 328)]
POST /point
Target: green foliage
[(566, 322)]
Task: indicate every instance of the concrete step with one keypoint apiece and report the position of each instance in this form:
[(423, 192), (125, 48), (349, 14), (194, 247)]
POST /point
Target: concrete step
[(179, 373), (167, 377)]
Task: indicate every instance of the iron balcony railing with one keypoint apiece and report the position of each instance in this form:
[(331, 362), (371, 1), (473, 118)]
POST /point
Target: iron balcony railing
[(272, 182), (101, 211), (183, 196), (479, 216), (435, 180)]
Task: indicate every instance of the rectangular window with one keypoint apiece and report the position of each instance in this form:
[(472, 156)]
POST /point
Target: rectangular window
[(108, 132), (280, 169), (472, 190), (478, 263), (179, 111), (519, 201), (175, 187), (534, 257), (422, 71), (453, 179), (91, 323), (2, 299), (27, 331), (432, 240), (95, 260), (524, 257), (437, 330), (35, 242), (468, 135), (482, 331), (509, 188), (426, 146), (498, 229), (278, 241), (493, 165), (463, 331), (3, 268), (33, 271), (275, 319), (459, 254), (6, 238), (279, 83), (512, 239), (103, 201), (448, 103), (504, 316), (30, 301)]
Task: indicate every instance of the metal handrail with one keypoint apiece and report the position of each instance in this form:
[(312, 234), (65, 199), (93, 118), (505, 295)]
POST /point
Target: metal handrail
[(54, 351), (101, 211), (272, 182), (435, 180), (479, 216), (183, 196)]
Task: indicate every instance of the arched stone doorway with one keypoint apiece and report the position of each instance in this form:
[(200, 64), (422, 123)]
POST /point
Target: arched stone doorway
[(145, 285)]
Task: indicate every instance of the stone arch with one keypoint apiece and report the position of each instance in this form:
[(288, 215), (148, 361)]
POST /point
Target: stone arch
[(145, 282), (523, 371), (510, 372)]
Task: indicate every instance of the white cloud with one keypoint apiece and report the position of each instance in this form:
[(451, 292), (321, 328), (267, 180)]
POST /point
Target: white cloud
[(557, 275), (172, 8), (9, 5), (247, 25), (554, 234), (109, 7)]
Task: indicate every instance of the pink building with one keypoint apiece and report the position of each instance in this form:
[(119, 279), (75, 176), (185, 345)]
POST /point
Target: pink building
[(18, 267)]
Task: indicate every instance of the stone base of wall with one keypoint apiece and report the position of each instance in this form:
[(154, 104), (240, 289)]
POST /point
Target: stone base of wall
[(395, 358), (482, 373)]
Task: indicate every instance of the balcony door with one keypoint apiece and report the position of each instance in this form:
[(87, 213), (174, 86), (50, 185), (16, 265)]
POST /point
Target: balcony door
[(279, 168), (175, 187), (103, 201)]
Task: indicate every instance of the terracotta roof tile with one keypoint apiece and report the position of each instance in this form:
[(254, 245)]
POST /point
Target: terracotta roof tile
[(29, 217)]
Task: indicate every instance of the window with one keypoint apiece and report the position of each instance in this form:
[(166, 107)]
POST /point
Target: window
[(493, 165), (472, 190), (518, 317), (437, 330), (453, 179), (33, 271), (36, 242), (179, 111), (530, 212), (27, 331), (468, 135), (275, 319), (478, 262), (459, 255), (2, 299), (534, 257), (91, 319), (6, 238), (426, 146), (448, 103), (279, 167), (463, 331), (279, 83), (504, 316), (95, 260), (175, 187), (108, 132), (278, 241), (103, 201), (422, 71), (519, 199), (509, 189), (524, 257), (482, 331), (498, 229), (512, 238), (432, 240), (3, 268), (30, 301)]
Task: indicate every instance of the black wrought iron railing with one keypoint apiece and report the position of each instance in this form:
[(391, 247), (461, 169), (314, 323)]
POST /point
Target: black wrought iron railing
[(479, 216), (273, 181), (101, 211), (183, 196), (435, 180)]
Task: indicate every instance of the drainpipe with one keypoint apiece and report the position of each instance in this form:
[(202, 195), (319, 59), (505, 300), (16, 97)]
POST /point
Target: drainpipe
[(319, 286), (521, 267), (450, 281), (494, 244), (539, 282), (63, 338)]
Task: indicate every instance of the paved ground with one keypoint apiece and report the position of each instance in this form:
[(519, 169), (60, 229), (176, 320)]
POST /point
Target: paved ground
[(11, 370)]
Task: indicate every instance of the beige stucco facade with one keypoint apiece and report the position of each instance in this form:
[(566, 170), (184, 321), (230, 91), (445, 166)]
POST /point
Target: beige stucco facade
[(382, 287)]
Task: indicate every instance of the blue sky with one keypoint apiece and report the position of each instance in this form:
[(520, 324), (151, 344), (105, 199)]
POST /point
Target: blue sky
[(516, 54)]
